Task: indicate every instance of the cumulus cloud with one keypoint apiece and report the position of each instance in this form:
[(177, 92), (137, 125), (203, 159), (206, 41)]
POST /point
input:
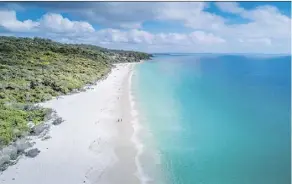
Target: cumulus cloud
[(205, 38), (132, 15), (135, 39), (229, 7), (172, 39), (57, 23), (265, 41), (190, 14), (264, 22), (136, 36), (49, 22), (266, 28), (261, 29), (9, 22), (140, 36), (194, 15), (114, 14)]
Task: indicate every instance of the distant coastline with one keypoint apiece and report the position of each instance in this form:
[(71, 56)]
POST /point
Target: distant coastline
[(240, 54)]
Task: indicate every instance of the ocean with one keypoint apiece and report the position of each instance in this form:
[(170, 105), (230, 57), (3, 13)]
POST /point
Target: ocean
[(214, 118)]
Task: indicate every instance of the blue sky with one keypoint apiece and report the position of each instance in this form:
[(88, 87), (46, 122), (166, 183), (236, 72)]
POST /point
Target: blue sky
[(218, 27)]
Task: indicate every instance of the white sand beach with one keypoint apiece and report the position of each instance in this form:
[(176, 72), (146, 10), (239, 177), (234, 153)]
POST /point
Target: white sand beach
[(93, 145)]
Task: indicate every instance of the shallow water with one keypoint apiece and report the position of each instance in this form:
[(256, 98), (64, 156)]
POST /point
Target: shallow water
[(215, 119)]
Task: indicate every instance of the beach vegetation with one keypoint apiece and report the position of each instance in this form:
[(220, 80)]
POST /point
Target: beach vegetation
[(34, 70)]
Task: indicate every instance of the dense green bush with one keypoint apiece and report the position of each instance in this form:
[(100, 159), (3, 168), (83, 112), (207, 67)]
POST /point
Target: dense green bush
[(35, 70)]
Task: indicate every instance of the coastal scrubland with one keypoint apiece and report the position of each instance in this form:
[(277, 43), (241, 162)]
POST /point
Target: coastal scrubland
[(34, 70)]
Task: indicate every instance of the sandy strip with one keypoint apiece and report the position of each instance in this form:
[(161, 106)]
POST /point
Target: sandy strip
[(94, 143)]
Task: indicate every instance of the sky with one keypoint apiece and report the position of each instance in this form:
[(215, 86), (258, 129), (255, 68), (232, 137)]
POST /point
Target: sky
[(180, 27)]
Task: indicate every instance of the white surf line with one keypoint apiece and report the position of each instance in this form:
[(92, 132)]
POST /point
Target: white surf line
[(144, 179)]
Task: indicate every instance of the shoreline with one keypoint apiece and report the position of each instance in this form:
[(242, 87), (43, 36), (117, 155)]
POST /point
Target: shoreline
[(95, 141), (144, 179)]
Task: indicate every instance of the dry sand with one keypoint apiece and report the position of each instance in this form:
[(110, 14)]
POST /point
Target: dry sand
[(94, 144)]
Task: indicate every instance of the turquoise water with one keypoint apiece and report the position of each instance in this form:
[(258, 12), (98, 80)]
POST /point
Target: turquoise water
[(216, 119)]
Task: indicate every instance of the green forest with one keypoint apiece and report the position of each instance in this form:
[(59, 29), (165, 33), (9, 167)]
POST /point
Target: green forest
[(34, 70)]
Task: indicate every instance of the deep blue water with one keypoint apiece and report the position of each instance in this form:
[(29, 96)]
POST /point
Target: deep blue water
[(217, 119)]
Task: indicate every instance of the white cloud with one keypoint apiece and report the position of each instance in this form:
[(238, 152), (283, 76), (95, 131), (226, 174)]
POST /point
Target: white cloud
[(139, 36), (205, 38), (172, 39), (270, 21), (267, 29), (262, 29), (129, 15), (230, 7), (57, 23), (191, 14), (48, 23), (265, 41), (8, 20), (136, 36), (111, 35)]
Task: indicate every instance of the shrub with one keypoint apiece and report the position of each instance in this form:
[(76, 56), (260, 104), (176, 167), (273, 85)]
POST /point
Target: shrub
[(34, 70)]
